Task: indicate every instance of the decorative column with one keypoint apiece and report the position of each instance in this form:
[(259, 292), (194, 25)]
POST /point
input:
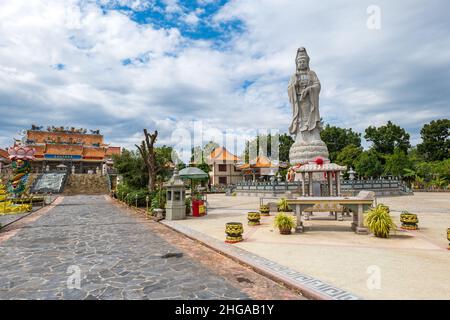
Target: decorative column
[(338, 184), (310, 183), (336, 181), (303, 184), (330, 183)]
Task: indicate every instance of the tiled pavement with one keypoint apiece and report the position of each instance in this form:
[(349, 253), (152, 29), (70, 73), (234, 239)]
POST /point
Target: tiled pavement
[(119, 256), (309, 286)]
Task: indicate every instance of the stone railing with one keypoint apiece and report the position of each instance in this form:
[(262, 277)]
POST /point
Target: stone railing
[(380, 186), (267, 186)]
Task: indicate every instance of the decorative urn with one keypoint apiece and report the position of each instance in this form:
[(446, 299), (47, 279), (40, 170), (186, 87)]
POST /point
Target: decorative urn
[(234, 231)]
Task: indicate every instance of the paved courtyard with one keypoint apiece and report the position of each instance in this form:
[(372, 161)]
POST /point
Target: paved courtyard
[(409, 265), (118, 255)]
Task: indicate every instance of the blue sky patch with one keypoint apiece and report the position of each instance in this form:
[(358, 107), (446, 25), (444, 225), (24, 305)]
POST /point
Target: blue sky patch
[(59, 66), (157, 14)]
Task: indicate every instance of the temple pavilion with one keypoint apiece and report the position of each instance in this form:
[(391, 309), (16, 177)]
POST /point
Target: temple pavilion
[(71, 147), (260, 168)]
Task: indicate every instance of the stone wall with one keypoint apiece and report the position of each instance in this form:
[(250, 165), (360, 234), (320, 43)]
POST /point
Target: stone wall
[(86, 184)]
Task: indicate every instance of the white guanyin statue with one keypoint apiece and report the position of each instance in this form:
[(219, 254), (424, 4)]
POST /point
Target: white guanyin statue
[(303, 91)]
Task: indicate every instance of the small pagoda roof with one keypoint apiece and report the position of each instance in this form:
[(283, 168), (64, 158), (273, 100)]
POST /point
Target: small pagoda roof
[(258, 162)]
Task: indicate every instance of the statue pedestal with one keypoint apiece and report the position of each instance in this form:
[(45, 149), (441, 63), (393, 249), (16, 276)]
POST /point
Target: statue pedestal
[(304, 152)]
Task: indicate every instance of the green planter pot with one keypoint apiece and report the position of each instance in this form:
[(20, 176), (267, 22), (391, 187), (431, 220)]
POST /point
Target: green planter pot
[(264, 210), (409, 221), (254, 218), (234, 231)]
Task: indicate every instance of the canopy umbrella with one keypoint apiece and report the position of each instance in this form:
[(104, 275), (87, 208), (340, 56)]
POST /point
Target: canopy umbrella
[(193, 173)]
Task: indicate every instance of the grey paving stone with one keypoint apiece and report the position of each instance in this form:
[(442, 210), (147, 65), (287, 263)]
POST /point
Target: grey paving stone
[(118, 256)]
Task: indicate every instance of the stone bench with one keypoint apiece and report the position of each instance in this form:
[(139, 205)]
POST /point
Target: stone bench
[(326, 207)]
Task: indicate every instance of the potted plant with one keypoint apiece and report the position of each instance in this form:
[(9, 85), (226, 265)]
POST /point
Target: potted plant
[(283, 206), (234, 231), (379, 221), (253, 218), (284, 222), (264, 210), (188, 203), (409, 220)]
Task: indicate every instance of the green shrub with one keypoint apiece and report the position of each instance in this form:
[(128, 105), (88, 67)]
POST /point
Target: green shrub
[(138, 195), (129, 195), (284, 221), (158, 199), (188, 203), (379, 221), (283, 206)]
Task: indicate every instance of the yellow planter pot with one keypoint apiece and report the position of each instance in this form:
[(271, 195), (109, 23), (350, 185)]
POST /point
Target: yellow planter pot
[(234, 231), (409, 221), (253, 218)]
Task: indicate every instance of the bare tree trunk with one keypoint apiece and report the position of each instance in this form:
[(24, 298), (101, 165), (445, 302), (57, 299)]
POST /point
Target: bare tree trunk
[(147, 151)]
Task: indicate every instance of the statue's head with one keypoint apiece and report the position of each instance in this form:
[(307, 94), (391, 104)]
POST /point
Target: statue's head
[(302, 59)]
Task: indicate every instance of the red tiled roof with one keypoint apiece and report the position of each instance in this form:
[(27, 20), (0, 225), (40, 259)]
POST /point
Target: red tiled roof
[(5, 155), (62, 149), (113, 150), (94, 152)]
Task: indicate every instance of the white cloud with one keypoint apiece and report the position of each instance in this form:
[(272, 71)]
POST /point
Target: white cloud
[(367, 76)]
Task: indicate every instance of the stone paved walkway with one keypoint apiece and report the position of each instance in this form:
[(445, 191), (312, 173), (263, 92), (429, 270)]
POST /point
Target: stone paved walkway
[(120, 256)]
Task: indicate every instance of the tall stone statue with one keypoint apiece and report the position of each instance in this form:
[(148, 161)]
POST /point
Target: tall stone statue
[(303, 91)]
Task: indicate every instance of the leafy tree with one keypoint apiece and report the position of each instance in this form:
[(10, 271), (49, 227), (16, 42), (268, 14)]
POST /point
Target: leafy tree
[(388, 137), (208, 148), (337, 139), (131, 166), (196, 154), (204, 166), (286, 142), (348, 156), (257, 146), (164, 161), (396, 163), (199, 155), (369, 165), (246, 154), (441, 169), (436, 140)]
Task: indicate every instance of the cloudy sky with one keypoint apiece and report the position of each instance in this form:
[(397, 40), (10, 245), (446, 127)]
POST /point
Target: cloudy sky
[(122, 65)]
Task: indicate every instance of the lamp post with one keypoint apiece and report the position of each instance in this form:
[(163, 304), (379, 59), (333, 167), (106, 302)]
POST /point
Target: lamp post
[(136, 198), (175, 200), (146, 204), (351, 174)]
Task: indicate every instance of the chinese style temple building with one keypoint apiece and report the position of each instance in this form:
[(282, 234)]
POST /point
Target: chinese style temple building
[(69, 148), (223, 164), (260, 168)]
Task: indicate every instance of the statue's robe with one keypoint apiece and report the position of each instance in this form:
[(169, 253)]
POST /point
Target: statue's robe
[(311, 100)]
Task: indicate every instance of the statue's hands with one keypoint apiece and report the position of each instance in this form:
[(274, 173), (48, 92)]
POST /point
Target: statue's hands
[(305, 92)]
